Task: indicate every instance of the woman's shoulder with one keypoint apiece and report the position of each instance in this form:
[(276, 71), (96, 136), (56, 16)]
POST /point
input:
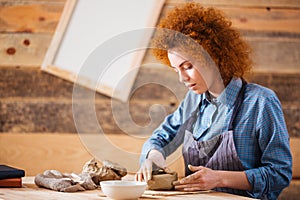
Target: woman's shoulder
[(256, 91)]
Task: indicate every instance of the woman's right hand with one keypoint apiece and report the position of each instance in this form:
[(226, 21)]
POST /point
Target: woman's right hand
[(145, 171)]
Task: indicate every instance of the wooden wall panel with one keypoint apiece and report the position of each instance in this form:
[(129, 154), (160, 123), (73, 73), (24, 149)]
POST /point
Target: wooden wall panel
[(29, 50), (275, 54), (33, 18), (36, 153), (238, 3), (270, 54), (25, 2), (264, 25), (31, 83), (275, 20), (271, 29), (57, 116), (23, 49), (267, 51), (34, 101), (295, 148), (66, 152), (259, 19), (292, 192)]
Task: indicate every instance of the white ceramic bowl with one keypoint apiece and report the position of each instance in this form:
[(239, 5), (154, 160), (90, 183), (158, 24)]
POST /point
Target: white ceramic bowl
[(119, 189)]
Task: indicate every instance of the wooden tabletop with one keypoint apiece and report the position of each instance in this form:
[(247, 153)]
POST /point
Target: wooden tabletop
[(33, 192)]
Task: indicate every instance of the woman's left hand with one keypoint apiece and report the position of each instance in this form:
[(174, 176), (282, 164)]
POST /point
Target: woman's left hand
[(202, 179)]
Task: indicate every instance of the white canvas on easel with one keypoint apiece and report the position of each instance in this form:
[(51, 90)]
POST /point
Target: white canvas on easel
[(77, 52)]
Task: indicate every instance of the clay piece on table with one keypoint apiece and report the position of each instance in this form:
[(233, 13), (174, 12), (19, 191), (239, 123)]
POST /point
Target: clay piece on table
[(54, 180), (162, 181), (89, 178), (120, 170), (109, 171)]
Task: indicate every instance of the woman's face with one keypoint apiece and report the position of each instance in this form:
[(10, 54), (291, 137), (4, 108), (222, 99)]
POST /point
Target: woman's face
[(188, 73)]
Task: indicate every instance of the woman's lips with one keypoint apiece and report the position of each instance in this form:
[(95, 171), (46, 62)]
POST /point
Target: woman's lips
[(191, 86)]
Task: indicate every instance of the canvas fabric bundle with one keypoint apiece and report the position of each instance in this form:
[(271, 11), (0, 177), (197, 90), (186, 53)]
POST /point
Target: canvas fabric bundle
[(89, 178)]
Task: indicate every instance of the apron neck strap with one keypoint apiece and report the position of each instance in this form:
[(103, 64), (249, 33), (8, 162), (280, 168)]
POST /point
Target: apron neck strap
[(237, 104)]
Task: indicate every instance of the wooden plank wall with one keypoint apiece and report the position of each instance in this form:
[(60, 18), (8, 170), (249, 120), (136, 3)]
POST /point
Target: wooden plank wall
[(36, 108)]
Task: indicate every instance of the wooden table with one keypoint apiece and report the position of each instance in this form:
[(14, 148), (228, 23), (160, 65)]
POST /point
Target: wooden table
[(32, 192)]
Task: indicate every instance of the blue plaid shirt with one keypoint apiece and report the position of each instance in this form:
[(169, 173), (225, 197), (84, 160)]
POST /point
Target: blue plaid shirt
[(260, 133)]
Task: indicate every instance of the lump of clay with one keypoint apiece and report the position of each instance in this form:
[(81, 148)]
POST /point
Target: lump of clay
[(109, 171), (57, 181), (121, 171), (161, 180), (89, 178)]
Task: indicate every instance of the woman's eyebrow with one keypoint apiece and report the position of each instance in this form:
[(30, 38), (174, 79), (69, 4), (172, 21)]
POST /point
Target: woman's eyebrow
[(181, 64)]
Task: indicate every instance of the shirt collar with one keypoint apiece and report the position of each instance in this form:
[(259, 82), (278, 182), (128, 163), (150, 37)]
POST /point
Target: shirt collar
[(229, 95)]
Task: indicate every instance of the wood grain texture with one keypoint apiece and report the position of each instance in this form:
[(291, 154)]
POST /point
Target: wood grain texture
[(251, 3), (271, 32), (46, 116), (258, 19), (267, 52), (33, 18), (21, 82), (25, 2), (264, 19), (47, 106), (37, 152), (151, 84), (36, 16), (292, 192), (23, 49), (58, 116), (31, 191), (274, 54), (295, 149)]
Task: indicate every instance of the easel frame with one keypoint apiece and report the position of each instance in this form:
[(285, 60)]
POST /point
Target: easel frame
[(49, 65)]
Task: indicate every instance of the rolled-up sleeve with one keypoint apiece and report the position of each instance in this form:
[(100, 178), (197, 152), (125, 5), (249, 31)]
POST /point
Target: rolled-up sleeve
[(164, 134), (275, 171)]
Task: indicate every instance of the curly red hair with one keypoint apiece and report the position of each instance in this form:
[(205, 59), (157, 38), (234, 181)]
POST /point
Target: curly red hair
[(209, 28)]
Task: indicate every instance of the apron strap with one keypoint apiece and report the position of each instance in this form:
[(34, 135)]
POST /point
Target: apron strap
[(237, 104)]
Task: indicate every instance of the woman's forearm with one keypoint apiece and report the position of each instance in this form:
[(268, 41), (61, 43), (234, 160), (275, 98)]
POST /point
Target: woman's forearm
[(234, 179), (206, 179)]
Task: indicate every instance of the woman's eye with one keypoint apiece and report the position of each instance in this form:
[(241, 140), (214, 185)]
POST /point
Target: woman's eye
[(187, 67)]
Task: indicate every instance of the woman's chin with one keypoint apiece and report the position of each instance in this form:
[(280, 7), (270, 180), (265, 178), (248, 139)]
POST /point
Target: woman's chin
[(198, 91)]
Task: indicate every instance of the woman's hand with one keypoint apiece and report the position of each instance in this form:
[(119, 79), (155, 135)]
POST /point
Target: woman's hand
[(202, 179), (145, 171)]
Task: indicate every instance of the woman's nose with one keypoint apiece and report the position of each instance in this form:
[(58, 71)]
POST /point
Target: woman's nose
[(182, 76)]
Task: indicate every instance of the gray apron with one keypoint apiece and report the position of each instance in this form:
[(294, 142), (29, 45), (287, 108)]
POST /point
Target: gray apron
[(217, 153)]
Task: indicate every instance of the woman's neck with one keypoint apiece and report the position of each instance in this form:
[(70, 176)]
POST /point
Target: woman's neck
[(217, 88)]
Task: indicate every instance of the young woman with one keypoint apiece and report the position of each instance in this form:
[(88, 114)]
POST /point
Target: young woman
[(233, 133)]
